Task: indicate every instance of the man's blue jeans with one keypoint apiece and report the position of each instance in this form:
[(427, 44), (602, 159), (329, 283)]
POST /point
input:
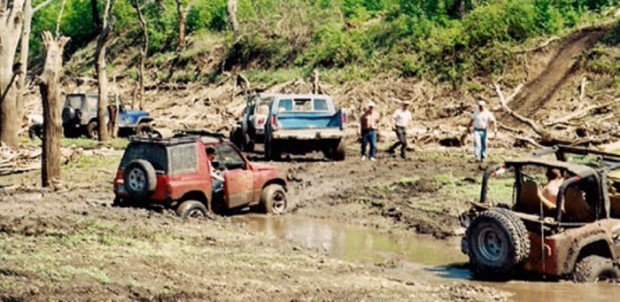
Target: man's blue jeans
[(480, 144), (369, 137)]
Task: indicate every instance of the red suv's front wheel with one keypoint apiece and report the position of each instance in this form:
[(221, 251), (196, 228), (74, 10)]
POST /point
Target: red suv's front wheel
[(273, 199)]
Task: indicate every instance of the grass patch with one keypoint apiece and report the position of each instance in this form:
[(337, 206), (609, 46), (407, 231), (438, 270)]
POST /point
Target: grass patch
[(81, 142)]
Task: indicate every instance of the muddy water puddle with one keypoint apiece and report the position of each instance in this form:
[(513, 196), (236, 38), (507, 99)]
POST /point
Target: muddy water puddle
[(415, 255)]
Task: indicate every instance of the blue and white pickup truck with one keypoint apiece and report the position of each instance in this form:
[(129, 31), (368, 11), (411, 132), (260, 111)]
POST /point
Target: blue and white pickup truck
[(302, 123)]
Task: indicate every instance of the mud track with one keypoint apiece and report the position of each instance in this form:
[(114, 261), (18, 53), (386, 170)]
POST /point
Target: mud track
[(564, 62)]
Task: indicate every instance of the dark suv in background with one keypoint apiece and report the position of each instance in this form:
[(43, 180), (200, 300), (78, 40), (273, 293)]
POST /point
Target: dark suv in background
[(79, 117)]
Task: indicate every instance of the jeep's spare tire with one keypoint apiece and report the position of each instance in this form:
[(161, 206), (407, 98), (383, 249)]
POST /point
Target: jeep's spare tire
[(140, 179), (498, 243), (68, 114)]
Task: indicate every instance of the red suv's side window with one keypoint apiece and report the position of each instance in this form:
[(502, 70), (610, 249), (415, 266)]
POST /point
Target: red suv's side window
[(183, 159)]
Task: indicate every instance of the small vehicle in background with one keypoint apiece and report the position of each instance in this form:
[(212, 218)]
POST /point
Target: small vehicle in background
[(250, 130), (79, 117), (302, 123), (577, 238), (176, 173)]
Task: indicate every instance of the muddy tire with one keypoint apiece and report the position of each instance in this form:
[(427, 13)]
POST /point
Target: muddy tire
[(272, 152), (497, 244), (35, 131), (91, 130), (191, 209), (337, 153), (595, 269), (140, 179), (273, 200)]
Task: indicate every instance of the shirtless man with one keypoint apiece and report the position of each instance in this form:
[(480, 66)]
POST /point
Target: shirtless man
[(549, 193)]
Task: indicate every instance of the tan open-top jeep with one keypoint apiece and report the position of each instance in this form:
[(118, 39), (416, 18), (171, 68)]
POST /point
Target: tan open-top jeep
[(578, 239)]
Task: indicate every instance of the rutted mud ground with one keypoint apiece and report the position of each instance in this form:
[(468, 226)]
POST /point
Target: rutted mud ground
[(73, 244)]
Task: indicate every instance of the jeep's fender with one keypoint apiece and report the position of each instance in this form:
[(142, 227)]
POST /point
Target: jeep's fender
[(594, 242)]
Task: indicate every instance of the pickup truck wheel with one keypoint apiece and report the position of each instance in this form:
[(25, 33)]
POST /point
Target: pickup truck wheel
[(140, 179), (497, 244), (91, 130), (594, 269), (273, 199), (338, 153), (272, 152), (191, 209)]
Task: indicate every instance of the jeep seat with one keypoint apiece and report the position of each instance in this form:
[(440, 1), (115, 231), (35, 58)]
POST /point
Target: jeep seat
[(529, 201), (614, 205), (576, 208)]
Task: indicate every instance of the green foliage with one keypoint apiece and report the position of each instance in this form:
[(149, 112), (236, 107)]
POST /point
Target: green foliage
[(422, 38)]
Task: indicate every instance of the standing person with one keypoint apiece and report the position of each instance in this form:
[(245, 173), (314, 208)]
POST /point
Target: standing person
[(401, 119), (369, 123), (480, 121)]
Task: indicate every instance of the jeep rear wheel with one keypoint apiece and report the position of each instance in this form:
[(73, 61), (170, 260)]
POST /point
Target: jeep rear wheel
[(91, 130), (497, 244), (192, 209), (140, 179), (594, 269), (273, 199)]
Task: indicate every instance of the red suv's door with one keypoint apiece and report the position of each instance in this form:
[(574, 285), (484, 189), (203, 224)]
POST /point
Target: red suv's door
[(238, 180), (238, 185)]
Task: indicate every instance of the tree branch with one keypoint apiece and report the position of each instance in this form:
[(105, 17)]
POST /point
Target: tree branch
[(41, 5)]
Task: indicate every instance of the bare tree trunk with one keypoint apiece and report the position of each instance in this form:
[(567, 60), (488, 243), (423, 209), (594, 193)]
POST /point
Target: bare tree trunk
[(231, 12), (143, 51), (113, 111), (24, 49), (11, 20), (100, 66), (95, 12), (315, 81), (52, 107), (182, 13)]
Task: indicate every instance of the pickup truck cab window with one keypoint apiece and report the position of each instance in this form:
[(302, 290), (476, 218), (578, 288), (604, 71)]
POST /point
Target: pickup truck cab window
[(321, 105), (285, 105)]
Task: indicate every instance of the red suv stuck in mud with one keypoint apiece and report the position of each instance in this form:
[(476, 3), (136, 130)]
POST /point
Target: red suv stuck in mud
[(176, 173)]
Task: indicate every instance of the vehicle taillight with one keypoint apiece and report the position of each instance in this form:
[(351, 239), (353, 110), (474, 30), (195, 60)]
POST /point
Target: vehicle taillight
[(261, 121), (344, 119), (274, 121)]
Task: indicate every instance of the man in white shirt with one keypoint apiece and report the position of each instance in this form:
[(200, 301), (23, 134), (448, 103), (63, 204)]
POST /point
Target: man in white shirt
[(401, 119), (480, 121)]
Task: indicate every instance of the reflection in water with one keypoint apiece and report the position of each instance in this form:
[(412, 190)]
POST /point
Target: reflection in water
[(353, 243), (419, 255)]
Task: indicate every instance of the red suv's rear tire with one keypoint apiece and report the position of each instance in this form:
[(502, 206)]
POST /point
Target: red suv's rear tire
[(192, 209), (140, 179), (595, 268), (273, 199)]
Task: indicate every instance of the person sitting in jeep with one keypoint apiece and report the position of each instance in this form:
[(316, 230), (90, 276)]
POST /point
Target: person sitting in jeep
[(216, 174), (549, 193)]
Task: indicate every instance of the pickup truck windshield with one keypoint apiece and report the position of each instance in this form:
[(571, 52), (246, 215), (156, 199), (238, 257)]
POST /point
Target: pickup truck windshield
[(302, 105)]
